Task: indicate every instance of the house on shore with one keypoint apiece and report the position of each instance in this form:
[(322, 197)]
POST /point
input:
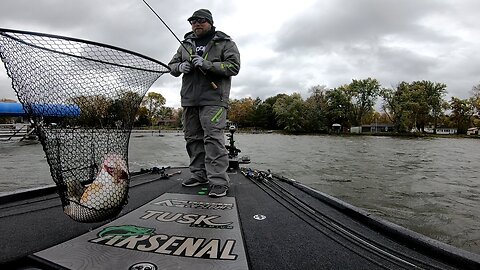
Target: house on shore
[(472, 131), (373, 128), (441, 131)]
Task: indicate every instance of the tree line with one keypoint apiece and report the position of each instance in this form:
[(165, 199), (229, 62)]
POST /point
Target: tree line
[(407, 106)]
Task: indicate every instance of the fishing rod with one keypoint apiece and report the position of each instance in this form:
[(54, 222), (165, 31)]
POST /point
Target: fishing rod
[(181, 43)]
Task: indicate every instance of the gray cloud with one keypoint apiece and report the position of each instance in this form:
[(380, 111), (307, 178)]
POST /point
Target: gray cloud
[(346, 23), (329, 42)]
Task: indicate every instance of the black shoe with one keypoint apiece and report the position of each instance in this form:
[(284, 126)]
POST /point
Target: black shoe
[(218, 191), (192, 182)]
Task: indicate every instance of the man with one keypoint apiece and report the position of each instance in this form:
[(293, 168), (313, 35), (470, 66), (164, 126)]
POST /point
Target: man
[(207, 67)]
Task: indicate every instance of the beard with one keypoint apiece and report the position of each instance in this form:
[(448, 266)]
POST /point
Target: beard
[(202, 31)]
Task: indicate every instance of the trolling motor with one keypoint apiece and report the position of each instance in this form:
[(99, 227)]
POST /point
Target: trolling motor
[(233, 160)]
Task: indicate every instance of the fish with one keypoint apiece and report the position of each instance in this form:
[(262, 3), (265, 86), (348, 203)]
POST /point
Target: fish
[(109, 186), (104, 196)]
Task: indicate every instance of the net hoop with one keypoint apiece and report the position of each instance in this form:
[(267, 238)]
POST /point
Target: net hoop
[(82, 97), (5, 32)]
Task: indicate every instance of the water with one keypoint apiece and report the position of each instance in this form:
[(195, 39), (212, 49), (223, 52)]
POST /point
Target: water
[(430, 186)]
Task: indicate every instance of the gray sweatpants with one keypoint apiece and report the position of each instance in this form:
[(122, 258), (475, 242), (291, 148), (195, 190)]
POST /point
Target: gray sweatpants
[(205, 138)]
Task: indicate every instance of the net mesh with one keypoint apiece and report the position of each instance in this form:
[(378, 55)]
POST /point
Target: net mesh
[(82, 98)]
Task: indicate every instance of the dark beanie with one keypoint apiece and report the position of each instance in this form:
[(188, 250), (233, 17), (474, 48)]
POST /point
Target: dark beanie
[(202, 13)]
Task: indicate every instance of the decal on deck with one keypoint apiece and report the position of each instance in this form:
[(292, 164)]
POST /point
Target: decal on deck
[(195, 204), (194, 220), (145, 240)]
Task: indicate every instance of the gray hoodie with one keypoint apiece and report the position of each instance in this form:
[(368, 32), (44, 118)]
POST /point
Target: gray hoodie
[(197, 90)]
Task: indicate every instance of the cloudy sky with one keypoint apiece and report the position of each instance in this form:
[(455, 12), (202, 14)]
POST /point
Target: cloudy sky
[(285, 46)]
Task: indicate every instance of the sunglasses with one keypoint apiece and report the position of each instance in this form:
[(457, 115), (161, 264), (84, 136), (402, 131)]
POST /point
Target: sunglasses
[(198, 20)]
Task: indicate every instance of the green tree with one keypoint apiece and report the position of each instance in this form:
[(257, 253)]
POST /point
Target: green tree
[(265, 117), (363, 94), (394, 106), (153, 102), (141, 118), (462, 112), (432, 98), (316, 109), (290, 112), (93, 111), (121, 112), (255, 118), (166, 115), (178, 117), (414, 105), (268, 114), (339, 107)]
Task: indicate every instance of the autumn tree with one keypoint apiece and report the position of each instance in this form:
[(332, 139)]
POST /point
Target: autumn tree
[(476, 98), (240, 111), (142, 118), (377, 118)]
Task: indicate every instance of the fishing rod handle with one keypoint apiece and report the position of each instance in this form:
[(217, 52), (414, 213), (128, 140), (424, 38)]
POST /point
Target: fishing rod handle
[(214, 86)]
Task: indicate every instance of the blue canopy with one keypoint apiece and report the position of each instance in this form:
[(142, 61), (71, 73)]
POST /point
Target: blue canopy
[(47, 110)]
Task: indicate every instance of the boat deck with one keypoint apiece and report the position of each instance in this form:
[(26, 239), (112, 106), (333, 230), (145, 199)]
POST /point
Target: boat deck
[(284, 225)]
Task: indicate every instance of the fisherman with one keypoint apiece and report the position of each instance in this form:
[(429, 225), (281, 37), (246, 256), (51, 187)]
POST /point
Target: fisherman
[(207, 67)]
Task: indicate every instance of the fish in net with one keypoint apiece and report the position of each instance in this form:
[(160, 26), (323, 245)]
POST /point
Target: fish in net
[(82, 98)]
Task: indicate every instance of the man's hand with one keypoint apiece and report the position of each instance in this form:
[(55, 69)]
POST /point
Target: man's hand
[(185, 67), (198, 61)]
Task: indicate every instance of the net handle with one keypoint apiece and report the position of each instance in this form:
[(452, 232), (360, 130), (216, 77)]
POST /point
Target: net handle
[(4, 32)]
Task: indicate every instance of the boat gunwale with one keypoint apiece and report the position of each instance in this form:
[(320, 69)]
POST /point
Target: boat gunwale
[(428, 245)]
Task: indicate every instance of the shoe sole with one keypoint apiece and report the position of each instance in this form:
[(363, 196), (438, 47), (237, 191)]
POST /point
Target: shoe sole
[(217, 195), (194, 184)]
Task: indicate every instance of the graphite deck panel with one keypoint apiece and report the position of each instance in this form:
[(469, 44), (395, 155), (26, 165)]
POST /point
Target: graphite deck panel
[(174, 231)]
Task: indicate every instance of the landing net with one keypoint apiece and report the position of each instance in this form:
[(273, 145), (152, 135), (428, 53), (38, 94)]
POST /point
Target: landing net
[(82, 98)]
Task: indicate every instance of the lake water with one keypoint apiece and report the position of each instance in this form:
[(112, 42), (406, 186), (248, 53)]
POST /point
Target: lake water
[(429, 185)]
